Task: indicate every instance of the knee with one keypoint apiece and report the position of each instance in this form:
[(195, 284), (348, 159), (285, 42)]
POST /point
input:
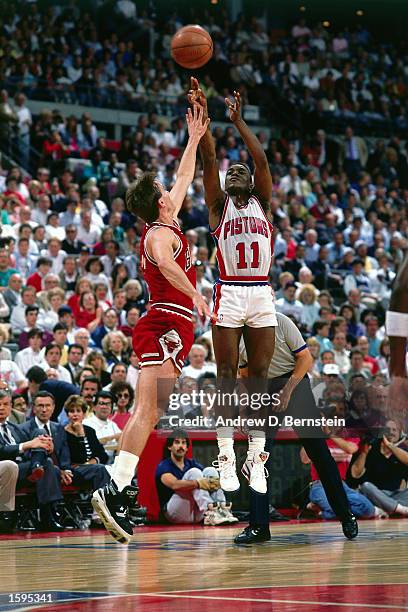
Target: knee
[(258, 369), (10, 468), (210, 472), (226, 370), (367, 487), (193, 474)]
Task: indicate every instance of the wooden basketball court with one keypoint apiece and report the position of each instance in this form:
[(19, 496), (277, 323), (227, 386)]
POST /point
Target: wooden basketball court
[(307, 566)]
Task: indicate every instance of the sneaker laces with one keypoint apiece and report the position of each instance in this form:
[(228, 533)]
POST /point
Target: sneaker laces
[(227, 466), (259, 469)]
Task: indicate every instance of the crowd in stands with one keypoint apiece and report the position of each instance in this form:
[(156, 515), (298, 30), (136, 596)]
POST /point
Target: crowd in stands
[(71, 287)]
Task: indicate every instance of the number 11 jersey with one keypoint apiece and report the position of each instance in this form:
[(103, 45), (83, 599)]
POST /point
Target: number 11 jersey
[(244, 240)]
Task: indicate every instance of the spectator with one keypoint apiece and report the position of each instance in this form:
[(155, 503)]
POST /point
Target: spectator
[(198, 364), (123, 397), (107, 432), (187, 492), (380, 466), (87, 453), (288, 304)]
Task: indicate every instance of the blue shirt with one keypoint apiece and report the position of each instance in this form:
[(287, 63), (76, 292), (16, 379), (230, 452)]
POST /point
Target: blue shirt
[(168, 467)]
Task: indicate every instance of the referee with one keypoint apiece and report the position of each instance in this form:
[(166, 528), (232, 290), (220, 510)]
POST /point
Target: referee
[(287, 376)]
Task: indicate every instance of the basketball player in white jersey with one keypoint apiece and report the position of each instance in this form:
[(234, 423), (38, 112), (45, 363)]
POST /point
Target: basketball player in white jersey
[(241, 224)]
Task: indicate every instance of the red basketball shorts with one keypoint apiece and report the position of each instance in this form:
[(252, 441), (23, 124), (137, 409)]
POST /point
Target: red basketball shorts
[(158, 337)]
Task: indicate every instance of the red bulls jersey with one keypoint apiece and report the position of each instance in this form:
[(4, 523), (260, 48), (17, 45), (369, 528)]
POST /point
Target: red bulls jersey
[(163, 296), (244, 239)]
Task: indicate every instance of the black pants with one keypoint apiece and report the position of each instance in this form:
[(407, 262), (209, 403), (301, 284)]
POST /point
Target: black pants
[(302, 405), (96, 474)]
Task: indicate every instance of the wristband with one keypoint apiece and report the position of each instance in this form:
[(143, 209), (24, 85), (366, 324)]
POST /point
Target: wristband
[(396, 324)]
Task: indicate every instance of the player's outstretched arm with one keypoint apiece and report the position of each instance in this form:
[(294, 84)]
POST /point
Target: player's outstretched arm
[(197, 127), (160, 246), (262, 174), (214, 196), (397, 322)]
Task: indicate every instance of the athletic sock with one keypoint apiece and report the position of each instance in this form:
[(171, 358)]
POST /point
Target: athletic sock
[(401, 509), (225, 439), (124, 469), (256, 443)]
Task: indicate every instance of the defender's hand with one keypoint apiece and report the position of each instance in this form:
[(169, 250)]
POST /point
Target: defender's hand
[(196, 124), (234, 107)]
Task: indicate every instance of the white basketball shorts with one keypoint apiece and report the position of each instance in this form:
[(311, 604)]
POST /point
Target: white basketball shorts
[(239, 305)]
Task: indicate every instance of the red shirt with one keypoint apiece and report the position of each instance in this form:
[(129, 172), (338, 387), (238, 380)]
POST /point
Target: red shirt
[(341, 465), (121, 419), (35, 280), (83, 318)]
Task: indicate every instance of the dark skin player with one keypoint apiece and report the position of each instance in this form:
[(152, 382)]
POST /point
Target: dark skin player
[(259, 342), (398, 392)]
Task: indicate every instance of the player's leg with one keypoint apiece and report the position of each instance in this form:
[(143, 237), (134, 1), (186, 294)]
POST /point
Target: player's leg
[(260, 346), (226, 350), (112, 502)]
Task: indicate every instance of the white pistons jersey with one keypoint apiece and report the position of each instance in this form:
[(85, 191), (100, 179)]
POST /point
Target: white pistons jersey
[(244, 239)]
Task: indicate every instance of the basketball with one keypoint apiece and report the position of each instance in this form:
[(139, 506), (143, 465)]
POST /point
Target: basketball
[(191, 46)]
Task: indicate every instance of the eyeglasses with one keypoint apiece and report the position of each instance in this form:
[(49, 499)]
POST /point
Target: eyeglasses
[(107, 404), (124, 395)]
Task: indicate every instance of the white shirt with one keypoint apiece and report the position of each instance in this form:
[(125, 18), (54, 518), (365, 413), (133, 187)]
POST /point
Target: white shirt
[(27, 358), (103, 429), (88, 237), (10, 373), (63, 373), (24, 119), (57, 262), (196, 373)]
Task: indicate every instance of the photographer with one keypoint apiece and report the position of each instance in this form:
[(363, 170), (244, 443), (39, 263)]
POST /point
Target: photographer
[(341, 447), (381, 466)]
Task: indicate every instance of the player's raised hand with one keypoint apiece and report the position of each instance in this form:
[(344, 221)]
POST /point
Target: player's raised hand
[(196, 123), (196, 95), (234, 107)]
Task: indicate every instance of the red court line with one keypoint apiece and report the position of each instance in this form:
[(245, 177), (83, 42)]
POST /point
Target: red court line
[(300, 598)]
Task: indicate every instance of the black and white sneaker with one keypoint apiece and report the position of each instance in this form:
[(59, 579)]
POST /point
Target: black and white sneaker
[(112, 507)]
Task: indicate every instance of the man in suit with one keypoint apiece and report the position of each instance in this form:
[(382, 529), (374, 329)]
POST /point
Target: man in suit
[(12, 294), (75, 354), (38, 381), (8, 482), (30, 450)]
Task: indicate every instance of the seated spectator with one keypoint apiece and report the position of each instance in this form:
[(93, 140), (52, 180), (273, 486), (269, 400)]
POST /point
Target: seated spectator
[(109, 323), (30, 447), (342, 447), (187, 492), (12, 295), (89, 314), (74, 358), (321, 331), (310, 312), (52, 359), (357, 365), (124, 398), (341, 354), (331, 373), (107, 432), (43, 267), (115, 348), (17, 319), (88, 456), (118, 374), (30, 356), (48, 318), (19, 405), (132, 317), (95, 272), (98, 362), (288, 304), (8, 483), (354, 329), (381, 468), (198, 364), (369, 362), (90, 387)]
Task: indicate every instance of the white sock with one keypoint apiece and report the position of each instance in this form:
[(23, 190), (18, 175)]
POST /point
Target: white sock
[(225, 439), (256, 443), (124, 469), (401, 509)]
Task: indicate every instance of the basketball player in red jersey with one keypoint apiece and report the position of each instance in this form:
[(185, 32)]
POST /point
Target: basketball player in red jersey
[(163, 338), (241, 224)]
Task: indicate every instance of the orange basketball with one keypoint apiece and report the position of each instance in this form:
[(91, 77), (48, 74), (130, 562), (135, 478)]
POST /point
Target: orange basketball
[(191, 46)]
